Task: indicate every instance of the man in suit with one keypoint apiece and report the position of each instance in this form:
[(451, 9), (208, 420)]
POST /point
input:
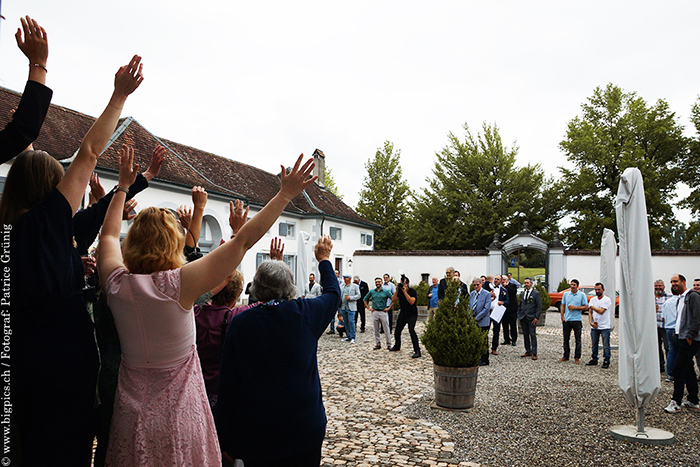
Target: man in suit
[(499, 296), (510, 327), (364, 290), (349, 294), (443, 282), (480, 303), (529, 311)]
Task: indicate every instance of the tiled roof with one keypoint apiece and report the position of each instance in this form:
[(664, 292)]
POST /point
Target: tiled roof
[(187, 166)]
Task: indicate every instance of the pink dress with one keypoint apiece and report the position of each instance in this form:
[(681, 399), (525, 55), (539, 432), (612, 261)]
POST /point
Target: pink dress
[(161, 414)]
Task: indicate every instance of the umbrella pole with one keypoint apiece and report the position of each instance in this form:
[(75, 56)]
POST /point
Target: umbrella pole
[(640, 421)]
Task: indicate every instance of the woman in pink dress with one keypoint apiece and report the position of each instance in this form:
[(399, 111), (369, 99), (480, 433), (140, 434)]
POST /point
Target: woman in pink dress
[(161, 414)]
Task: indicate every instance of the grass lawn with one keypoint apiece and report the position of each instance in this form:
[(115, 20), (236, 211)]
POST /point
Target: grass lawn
[(525, 272)]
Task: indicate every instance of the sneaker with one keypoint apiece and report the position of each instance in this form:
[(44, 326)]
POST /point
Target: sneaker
[(605, 365), (346, 339), (592, 363), (673, 407), (377, 347), (416, 355), (352, 341), (669, 379), (690, 405)]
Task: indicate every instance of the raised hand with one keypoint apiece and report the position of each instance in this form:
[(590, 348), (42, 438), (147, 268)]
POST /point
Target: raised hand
[(298, 179), (237, 216), (199, 197), (184, 215), (128, 77), (129, 206), (34, 44), (97, 191), (323, 248), (276, 249), (157, 160), (127, 169)]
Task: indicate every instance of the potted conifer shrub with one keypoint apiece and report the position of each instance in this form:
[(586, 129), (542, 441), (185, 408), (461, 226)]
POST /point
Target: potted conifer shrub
[(456, 344), (422, 300)]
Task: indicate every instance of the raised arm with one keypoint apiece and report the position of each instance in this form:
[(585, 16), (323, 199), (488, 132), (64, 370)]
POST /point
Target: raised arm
[(27, 120), (199, 199), (276, 249), (126, 80), (110, 254), (202, 275)]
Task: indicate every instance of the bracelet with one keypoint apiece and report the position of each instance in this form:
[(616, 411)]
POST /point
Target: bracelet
[(40, 66), (121, 188)]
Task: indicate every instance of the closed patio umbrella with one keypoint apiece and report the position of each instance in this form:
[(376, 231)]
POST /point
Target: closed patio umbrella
[(638, 375), (608, 253)]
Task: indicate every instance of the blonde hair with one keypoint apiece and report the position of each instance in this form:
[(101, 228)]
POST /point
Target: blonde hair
[(155, 242), (33, 175)]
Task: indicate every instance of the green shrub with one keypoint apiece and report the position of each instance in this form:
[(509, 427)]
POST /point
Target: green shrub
[(422, 291), (563, 285), (546, 299), (452, 337)]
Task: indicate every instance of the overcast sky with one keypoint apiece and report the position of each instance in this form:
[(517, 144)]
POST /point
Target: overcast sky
[(261, 82)]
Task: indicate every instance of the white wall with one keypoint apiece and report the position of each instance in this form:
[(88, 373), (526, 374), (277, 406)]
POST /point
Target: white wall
[(369, 267)]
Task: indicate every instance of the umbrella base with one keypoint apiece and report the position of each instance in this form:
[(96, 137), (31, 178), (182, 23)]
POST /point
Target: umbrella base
[(652, 436)]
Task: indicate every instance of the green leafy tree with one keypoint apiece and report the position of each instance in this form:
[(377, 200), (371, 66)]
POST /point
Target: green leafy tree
[(329, 182), (384, 198), (691, 176), (452, 337), (617, 130), (477, 191)]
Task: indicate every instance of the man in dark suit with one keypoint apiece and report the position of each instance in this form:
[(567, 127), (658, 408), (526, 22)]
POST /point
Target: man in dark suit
[(509, 321), (364, 290), (499, 297), (529, 311), (443, 282)]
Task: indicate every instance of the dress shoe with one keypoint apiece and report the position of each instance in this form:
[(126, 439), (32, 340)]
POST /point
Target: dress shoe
[(534, 357), (505, 343), (592, 363), (526, 354), (577, 360), (416, 355), (377, 347), (394, 349), (330, 332), (513, 344), (562, 359), (362, 330), (493, 352), (606, 365), (483, 363)]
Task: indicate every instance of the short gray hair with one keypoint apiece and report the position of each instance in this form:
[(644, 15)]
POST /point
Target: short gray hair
[(273, 281)]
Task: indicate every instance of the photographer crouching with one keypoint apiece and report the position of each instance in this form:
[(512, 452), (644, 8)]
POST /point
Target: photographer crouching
[(408, 315)]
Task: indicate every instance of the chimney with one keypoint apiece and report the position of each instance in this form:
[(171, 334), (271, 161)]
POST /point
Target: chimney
[(320, 168)]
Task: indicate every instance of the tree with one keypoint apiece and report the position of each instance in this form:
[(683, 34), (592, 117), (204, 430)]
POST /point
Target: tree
[(617, 130), (384, 198), (691, 176), (476, 191), (329, 182)]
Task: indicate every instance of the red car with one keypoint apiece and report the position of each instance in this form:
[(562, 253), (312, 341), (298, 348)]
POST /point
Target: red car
[(589, 290)]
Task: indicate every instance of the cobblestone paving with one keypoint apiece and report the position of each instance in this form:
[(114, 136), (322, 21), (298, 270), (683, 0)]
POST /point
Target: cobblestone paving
[(365, 392)]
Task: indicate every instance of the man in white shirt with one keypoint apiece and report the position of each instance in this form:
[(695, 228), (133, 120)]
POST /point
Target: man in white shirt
[(599, 318)]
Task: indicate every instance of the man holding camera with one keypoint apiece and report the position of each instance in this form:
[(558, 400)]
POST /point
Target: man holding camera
[(409, 314)]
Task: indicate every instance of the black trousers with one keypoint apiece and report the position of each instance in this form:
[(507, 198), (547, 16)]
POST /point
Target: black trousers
[(510, 327), (568, 327), (390, 315), (360, 314), (401, 321), (496, 334), (684, 371)]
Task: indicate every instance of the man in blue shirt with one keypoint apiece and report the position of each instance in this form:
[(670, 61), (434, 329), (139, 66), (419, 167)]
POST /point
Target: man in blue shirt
[(480, 303), (433, 298), (572, 303)]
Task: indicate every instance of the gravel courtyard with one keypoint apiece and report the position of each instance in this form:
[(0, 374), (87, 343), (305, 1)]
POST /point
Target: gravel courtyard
[(527, 413)]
